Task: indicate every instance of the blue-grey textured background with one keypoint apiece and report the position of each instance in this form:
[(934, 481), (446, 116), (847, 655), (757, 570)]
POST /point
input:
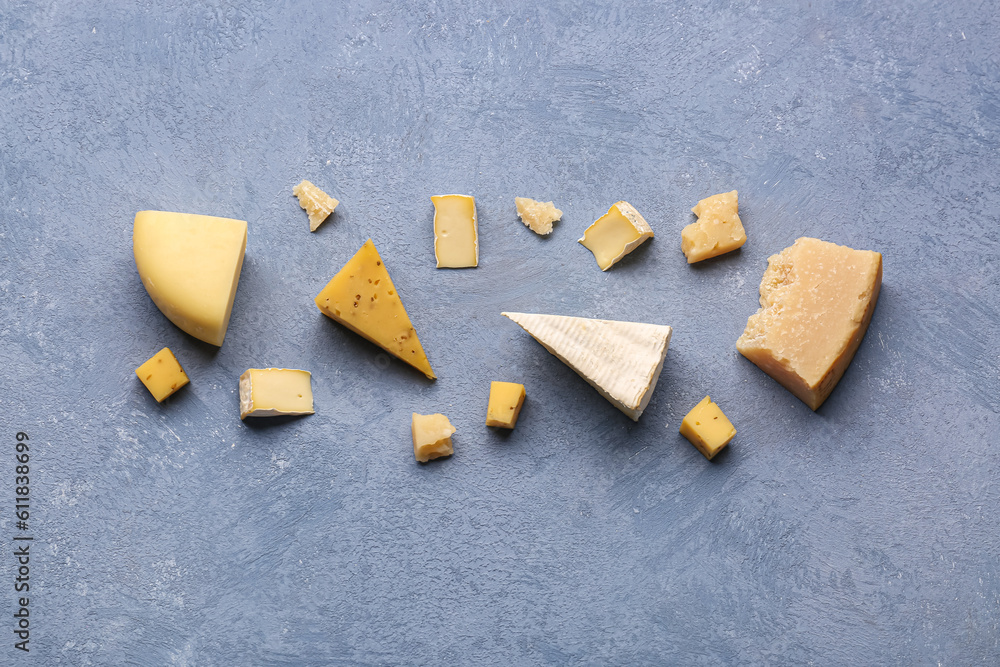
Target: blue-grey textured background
[(865, 533)]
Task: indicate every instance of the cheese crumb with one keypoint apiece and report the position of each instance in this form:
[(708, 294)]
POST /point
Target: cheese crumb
[(719, 229), (317, 203), (431, 436), (536, 215)]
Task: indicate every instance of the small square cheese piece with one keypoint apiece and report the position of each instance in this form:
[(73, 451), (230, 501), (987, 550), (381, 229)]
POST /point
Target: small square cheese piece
[(536, 215), (506, 399), (431, 436), (816, 301), (316, 203), (718, 230), (273, 392), (456, 239), (615, 234), (707, 428), (162, 374)]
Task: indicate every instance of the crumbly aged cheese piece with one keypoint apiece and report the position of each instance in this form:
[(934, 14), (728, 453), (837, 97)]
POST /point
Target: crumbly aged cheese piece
[(456, 239), (317, 203), (816, 301), (707, 428), (431, 436), (615, 234), (536, 215), (506, 399), (162, 374), (622, 360), (190, 266), (273, 392), (718, 230), (362, 298)]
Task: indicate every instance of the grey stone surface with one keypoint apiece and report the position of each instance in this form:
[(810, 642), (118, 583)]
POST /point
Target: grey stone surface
[(865, 533)]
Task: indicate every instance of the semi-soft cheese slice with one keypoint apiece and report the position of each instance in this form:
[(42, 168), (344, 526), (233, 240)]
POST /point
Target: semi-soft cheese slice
[(622, 360), (719, 229), (274, 392), (707, 428), (162, 374), (190, 266), (816, 301), (456, 239), (363, 298), (506, 399), (316, 203), (536, 215), (615, 234), (431, 436)]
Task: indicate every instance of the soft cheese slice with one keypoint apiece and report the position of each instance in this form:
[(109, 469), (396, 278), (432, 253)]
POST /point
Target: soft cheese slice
[(456, 238), (316, 203), (431, 436), (538, 216), (622, 360), (274, 392), (362, 298), (816, 301), (162, 374), (190, 266), (615, 234), (718, 230)]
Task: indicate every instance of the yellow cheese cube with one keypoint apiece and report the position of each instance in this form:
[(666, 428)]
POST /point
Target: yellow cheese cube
[(456, 239), (707, 428), (316, 203), (536, 215), (718, 230), (506, 399), (274, 392), (615, 234), (431, 436), (162, 374)]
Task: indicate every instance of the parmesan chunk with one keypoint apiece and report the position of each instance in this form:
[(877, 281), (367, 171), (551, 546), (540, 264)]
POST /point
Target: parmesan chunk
[(536, 215)]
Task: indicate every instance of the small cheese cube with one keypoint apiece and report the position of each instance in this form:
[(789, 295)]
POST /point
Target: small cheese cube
[(273, 392), (431, 436), (718, 230), (537, 216), (316, 203), (707, 428), (615, 234), (456, 239), (506, 399), (162, 374)]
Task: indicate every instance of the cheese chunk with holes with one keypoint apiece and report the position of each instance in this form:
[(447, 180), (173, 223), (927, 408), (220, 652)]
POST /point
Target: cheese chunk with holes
[(456, 239), (162, 374), (363, 298), (190, 266), (816, 301), (274, 392), (718, 230), (621, 360), (615, 234), (506, 399), (536, 215), (707, 428), (316, 203), (431, 436)]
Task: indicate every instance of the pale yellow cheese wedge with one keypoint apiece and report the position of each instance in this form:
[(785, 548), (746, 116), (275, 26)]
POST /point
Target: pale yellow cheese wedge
[(615, 234), (316, 203), (431, 436), (707, 428), (816, 301), (162, 374), (718, 230), (456, 237), (275, 392), (536, 215), (190, 266), (506, 399)]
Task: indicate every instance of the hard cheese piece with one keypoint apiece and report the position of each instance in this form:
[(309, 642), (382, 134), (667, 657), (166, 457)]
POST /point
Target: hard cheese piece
[(718, 230), (506, 399), (162, 374), (816, 301), (707, 428), (317, 203), (273, 392), (622, 360), (537, 216), (190, 266), (615, 234), (362, 298), (431, 436), (456, 240)]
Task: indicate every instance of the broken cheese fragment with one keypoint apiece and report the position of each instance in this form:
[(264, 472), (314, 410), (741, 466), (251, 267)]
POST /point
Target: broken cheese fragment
[(718, 230), (506, 399), (537, 216), (316, 203), (273, 392), (456, 239), (707, 428), (431, 436), (816, 301), (615, 234), (162, 374)]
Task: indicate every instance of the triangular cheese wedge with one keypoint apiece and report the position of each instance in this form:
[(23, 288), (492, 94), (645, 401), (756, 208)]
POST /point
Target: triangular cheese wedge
[(621, 360), (362, 298), (190, 266)]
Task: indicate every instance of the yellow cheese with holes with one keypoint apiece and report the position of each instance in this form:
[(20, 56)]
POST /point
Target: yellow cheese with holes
[(707, 428), (431, 436), (274, 392), (162, 374), (456, 239), (506, 399), (538, 216), (615, 234), (190, 266), (316, 203), (363, 298), (718, 229), (816, 301)]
